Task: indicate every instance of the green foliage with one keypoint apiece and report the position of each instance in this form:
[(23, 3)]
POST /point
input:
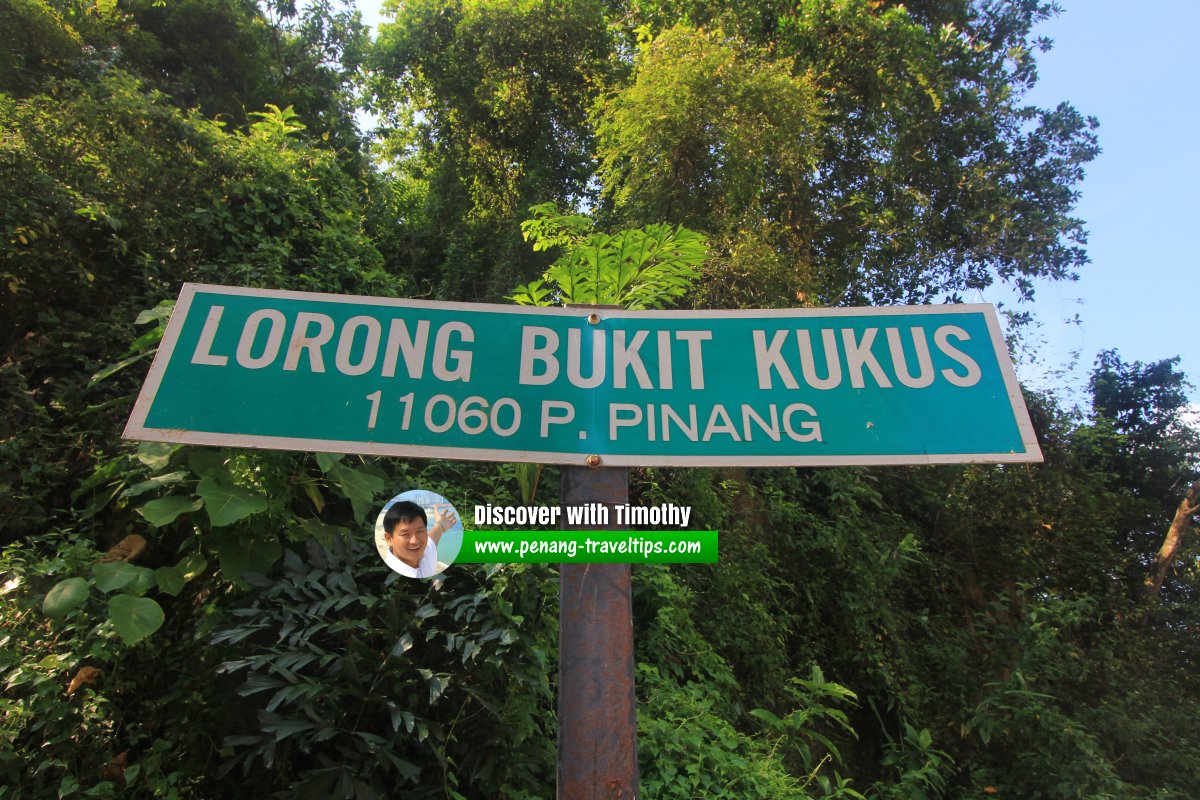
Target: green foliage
[(485, 113), (980, 631), (66, 596), (81, 696), (923, 770), (634, 269), (113, 197), (911, 169), (723, 137), (687, 750), (364, 686), (34, 45)]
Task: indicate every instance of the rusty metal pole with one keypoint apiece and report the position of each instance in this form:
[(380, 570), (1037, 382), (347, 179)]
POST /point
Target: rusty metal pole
[(597, 710)]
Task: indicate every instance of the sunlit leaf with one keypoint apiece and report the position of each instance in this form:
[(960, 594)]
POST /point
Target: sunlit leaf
[(65, 597), (228, 504), (134, 618), (166, 510)]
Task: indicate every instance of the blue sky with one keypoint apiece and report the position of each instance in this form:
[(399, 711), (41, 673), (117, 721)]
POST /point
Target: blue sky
[(1132, 67)]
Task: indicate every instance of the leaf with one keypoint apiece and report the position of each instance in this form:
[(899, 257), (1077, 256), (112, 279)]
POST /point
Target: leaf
[(359, 487), (437, 685), (321, 531), (154, 483), (314, 494), (228, 504), (403, 645), (143, 581), (114, 575), (283, 728), (170, 580), (155, 455), (327, 461), (166, 510), (112, 369), (161, 312), (192, 565), (134, 618), (207, 463), (241, 554), (767, 716), (65, 597)]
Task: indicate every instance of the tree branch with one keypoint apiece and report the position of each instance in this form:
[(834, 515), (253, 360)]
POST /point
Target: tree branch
[(1188, 506)]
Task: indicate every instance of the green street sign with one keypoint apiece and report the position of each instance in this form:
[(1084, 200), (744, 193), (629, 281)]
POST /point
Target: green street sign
[(381, 376)]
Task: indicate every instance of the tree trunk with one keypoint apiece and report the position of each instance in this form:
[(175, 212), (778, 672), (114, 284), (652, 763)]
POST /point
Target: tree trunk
[(1170, 546)]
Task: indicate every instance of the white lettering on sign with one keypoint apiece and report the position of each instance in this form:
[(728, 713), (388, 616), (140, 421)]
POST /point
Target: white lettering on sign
[(924, 362), (941, 338), (857, 356), (442, 353), (555, 412), (370, 349), (203, 354), (540, 360), (656, 417), (357, 347), (250, 333), (301, 340), (413, 347), (626, 357)]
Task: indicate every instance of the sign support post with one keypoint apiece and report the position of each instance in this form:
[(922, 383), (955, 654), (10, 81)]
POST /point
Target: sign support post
[(597, 714), (597, 701)]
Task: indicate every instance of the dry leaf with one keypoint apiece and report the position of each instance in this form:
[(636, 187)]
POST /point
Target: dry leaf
[(84, 676), (127, 549)]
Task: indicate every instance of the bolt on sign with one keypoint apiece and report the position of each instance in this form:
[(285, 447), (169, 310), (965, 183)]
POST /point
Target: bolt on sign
[(369, 375)]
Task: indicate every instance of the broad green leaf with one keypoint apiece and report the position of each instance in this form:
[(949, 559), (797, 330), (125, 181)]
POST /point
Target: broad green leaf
[(767, 716), (228, 504), (321, 531), (327, 461), (314, 494), (437, 685), (359, 487), (155, 455), (161, 312), (170, 580), (113, 576), (191, 565), (143, 581), (403, 645), (65, 597), (154, 483), (165, 510), (239, 554), (207, 463), (134, 618)]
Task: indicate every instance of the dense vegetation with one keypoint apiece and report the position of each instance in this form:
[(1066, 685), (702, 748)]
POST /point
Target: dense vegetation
[(941, 632)]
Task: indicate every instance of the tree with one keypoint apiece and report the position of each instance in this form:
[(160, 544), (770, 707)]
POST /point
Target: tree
[(486, 105), (918, 175), (1140, 440), (834, 152)]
